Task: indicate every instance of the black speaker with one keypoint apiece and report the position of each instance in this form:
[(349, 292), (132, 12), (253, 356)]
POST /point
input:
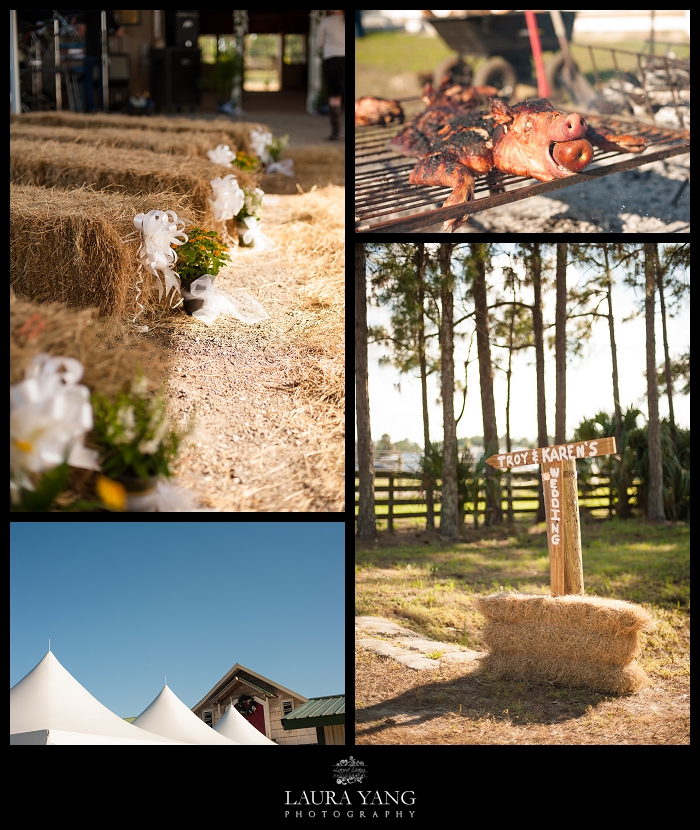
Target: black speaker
[(175, 77), (182, 28)]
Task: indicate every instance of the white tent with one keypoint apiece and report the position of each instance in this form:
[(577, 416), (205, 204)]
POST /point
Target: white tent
[(48, 706), (234, 726), (167, 715)]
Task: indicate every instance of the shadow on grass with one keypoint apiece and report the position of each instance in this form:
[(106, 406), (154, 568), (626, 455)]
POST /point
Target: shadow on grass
[(477, 696)]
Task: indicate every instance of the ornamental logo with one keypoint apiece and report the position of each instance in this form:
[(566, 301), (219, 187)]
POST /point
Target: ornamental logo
[(350, 771)]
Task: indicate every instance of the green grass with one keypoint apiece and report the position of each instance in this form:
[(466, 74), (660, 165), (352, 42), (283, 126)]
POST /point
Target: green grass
[(381, 55), (428, 584), (392, 52)]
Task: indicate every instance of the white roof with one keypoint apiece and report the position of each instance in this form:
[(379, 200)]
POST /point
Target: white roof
[(234, 726), (167, 715), (50, 703)]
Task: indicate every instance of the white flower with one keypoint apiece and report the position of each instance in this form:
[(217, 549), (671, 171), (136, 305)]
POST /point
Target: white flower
[(126, 419), (139, 385), (228, 197), (149, 447), (157, 428), (50, 414), (221, 155), (261, 140)]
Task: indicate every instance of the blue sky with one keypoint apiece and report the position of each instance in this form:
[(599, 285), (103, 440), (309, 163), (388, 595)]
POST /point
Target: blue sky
[(127, 603)]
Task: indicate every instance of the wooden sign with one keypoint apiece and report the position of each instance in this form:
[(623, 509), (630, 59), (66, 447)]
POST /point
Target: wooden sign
[(560, 488), (560, 452)]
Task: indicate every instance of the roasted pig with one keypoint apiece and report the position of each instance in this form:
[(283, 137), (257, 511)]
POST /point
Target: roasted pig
[(455, 143), (369, 111)]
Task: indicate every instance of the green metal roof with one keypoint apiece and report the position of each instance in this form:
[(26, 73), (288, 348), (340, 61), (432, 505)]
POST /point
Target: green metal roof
[(317, 711)]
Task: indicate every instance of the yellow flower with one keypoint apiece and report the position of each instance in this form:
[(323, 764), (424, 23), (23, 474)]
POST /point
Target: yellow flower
[(112, 493)]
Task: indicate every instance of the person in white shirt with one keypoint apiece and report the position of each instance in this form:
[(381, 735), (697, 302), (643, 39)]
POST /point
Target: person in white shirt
[(331, 44)]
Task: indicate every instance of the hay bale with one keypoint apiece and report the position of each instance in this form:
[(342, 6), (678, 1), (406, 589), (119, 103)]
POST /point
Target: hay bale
[(620, 680), (577, 641), (56, 164), (80, 247), (320, 166), (236, 134), (192, 143), (109, 354), (561, 643), (609, 616)]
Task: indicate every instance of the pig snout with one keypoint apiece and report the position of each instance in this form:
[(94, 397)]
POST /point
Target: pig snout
[(567, 127)]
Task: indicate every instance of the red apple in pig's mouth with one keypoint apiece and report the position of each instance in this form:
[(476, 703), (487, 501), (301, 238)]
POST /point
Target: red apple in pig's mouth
[(573, 156)]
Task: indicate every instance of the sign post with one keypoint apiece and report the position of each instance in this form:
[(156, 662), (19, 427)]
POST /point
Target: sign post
[(559, 483)]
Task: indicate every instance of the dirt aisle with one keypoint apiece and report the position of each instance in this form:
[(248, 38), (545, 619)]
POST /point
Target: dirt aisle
[(269, 398)]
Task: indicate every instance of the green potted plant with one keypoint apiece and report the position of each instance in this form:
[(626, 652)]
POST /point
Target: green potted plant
[(136, 444), (203, 253), (246, 162)]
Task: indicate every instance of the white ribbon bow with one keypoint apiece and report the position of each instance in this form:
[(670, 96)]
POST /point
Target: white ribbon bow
[(284, 166), (261, 140), (160, 230), (221, 155), (50, 413), (240, 304), (228, 197), (254, 234)]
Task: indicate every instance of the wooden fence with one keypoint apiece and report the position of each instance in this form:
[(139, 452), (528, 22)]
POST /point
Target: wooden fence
[(403, 491)]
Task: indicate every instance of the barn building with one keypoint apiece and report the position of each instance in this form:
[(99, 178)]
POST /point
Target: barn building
[(270, 700)]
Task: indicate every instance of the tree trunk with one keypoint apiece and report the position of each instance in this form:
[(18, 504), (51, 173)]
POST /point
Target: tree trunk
[(449, 510), (509, 375), (366, 522), (494, 513), (420, 271), (537, 327), (667, 359), (623, 506), (560, 340), (655, 507)]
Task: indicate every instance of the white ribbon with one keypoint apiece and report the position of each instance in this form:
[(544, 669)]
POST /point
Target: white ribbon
[(239, 304), (160, 229), (254, 234), (284, 166), (228, 197), (50, 413), (261, 140), (175, 499), (221, 155)]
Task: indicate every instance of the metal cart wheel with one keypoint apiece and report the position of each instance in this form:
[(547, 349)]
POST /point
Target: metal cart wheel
[(455, 67), (497, 72), (553, 73)]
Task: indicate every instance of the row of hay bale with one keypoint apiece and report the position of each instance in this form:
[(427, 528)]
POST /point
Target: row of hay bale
[(235, 134), (580, 641), (72, 204), (79, 247), (193, 143), (57, 164)]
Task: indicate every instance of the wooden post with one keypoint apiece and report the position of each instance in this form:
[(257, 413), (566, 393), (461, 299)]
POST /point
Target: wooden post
[(390, 526), (560, 486)]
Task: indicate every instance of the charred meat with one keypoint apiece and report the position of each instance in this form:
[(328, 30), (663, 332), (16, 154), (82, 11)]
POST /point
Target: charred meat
[(370, 111)]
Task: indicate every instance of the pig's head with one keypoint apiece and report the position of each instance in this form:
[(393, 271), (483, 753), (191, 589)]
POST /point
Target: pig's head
[(534, 139)]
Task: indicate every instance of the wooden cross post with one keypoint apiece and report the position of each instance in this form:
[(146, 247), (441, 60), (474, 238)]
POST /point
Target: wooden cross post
[(559, 483)]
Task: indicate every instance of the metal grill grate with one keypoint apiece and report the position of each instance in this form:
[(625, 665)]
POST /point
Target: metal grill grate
[(386, 202)]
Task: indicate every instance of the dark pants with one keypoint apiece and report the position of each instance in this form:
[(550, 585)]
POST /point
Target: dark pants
[(89, 65), (334, 74)]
